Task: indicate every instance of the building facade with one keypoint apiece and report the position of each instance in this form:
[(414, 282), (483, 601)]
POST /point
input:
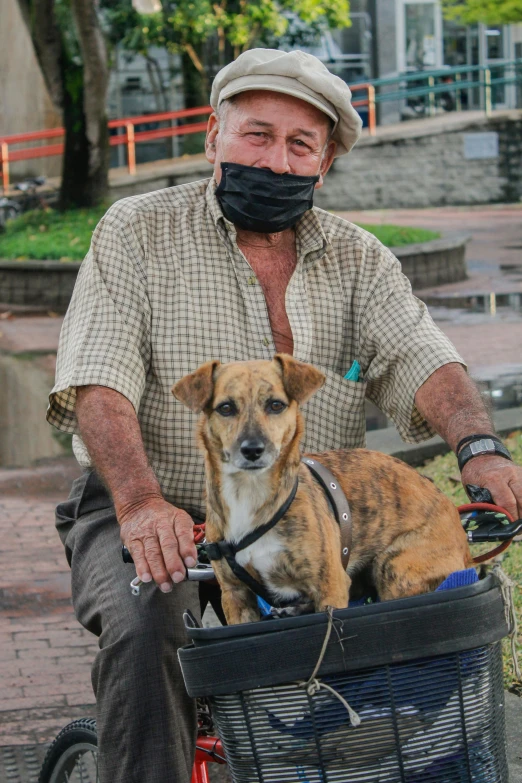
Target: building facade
[(412, 35)]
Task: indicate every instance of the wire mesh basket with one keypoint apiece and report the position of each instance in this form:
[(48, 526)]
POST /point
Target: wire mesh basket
[(423, 675)]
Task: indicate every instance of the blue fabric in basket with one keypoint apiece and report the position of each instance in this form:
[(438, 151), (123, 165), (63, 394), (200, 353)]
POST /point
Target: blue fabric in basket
[(366, 696)]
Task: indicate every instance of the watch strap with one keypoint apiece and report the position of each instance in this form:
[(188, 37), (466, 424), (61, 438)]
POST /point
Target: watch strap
[(469, 438), (489, 445)]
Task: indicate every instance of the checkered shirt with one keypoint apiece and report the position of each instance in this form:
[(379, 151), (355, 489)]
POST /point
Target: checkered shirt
[(165, 288)]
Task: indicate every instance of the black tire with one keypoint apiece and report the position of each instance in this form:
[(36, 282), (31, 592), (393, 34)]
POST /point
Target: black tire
[(72, 755)]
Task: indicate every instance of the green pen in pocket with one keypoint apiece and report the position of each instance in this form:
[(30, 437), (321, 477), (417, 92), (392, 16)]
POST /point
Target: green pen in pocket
[(353, 372)]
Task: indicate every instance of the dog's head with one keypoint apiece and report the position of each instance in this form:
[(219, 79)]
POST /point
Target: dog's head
[(250, 408)]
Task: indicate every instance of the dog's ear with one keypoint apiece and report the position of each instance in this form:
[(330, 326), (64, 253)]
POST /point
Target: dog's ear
[(300, 380), (195, 390)]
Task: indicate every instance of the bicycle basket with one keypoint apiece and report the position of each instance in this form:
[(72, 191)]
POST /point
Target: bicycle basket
[(423, 674)]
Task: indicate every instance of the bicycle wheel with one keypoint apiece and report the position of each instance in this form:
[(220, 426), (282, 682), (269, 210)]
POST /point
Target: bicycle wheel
[(73, 756)]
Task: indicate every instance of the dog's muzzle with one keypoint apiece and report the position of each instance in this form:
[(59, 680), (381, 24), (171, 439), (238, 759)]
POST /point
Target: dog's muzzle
[(253, 454)]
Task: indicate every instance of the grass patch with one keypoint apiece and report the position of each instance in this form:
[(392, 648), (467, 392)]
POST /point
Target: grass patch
[(445, 473), (398, 236), (50, 235), (66, 236)]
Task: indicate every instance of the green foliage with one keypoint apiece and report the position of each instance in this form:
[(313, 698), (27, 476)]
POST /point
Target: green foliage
[(398, 236), (52, 235), (487, 11), (213, 33), (48, 234)]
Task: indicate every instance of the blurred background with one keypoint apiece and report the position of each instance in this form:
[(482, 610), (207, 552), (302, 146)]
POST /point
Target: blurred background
[(75, 62)]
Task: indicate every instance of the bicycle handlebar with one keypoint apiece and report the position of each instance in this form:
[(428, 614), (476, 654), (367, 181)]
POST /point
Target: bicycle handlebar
[(202, 572)]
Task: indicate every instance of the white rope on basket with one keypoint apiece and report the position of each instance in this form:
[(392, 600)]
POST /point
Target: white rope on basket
[(507, 586), (313, 685)]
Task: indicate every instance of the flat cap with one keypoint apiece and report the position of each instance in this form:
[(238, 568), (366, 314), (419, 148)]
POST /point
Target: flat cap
[(294, 73)]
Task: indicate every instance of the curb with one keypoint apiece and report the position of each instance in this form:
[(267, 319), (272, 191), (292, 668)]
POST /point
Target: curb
[(389, 441)]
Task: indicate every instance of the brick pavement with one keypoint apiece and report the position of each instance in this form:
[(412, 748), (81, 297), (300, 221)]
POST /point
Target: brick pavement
[(45, 655)]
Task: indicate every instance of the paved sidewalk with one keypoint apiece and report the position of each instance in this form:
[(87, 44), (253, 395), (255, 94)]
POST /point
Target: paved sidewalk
[(494, 261), (45, 655)]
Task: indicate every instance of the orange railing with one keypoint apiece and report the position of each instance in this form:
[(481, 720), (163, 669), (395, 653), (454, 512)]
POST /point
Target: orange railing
[(130, 137)]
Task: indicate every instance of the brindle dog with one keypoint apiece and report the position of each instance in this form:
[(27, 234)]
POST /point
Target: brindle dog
[(407, 536)]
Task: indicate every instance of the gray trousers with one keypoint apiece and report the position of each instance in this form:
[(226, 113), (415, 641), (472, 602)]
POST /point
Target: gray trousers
[(146, 722)]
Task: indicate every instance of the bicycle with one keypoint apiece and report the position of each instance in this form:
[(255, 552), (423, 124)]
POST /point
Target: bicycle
[(9, 210), (31, 198), (73, 754)]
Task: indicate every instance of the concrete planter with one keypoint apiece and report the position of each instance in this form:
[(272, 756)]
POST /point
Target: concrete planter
[(43, 284), (49, 285), (437, 262)]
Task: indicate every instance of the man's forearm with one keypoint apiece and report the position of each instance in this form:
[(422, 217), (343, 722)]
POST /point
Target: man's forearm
[(111, 432), (451, 403)]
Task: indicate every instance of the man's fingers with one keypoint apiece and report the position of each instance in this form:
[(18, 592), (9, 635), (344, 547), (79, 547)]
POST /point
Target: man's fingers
[(156, 563), (140, 561), (504, 497), (184, 528), (171, 554), (516, 487)]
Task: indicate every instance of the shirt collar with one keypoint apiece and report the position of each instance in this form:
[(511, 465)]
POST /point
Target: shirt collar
[(309, 231)]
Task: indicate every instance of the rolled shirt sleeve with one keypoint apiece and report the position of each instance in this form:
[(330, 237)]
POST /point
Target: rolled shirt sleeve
[(105, 335), (403, 347)]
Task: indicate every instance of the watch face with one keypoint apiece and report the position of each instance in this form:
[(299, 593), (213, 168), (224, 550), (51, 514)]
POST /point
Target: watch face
[(481, 446)]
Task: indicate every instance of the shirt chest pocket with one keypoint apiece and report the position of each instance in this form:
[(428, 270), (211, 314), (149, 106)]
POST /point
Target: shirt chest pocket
[(335, 415)]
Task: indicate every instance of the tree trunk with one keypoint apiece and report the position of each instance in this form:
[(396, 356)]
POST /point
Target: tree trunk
[(79, 91), (83, 185), (193, 84), (85, 178)]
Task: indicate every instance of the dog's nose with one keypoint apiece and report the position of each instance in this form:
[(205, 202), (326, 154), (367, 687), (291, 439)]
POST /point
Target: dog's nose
[(252, 449)]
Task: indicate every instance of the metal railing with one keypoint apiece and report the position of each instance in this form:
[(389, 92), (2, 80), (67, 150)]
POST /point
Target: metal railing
[(126, 133), (129, 137), (429, 84)]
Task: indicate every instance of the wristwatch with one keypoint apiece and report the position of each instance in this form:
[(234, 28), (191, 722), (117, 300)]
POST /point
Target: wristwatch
[(484, 445)]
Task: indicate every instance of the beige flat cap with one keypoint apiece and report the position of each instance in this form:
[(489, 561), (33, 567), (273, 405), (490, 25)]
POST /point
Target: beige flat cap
[(294, 73)]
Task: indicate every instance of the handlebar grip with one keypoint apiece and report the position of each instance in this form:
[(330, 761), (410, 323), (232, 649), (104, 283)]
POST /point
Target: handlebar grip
[(126, 555), (201, 573), (479, 494)]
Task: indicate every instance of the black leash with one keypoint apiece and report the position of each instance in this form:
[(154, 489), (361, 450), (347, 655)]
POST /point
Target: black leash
[(225, 549)]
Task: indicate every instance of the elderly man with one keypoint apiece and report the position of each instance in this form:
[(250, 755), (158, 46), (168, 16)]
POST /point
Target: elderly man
[(234, 268)]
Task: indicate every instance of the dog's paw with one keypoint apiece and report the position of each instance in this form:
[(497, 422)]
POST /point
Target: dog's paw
[(303, 607)]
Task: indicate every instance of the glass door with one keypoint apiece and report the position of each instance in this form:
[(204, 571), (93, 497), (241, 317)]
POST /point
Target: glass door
[(420, 36)]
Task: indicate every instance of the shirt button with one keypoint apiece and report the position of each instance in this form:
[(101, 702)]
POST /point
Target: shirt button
[(266, 341), (252, 280)]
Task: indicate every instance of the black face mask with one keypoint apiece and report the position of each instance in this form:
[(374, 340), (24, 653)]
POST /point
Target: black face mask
[(259, 200)]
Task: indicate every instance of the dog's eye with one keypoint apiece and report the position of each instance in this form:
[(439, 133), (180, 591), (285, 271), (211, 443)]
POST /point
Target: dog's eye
[(226, 409), (275, 406)]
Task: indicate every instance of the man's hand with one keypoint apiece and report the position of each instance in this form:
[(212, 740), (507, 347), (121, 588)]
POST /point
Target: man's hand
[(160, 538), (451, 403), (500, 476)]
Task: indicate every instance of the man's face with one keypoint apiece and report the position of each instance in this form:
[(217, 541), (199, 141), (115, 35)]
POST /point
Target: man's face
[(273, 131)]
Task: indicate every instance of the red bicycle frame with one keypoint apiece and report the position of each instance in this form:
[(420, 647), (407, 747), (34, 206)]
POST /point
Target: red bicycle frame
[(208, 749)]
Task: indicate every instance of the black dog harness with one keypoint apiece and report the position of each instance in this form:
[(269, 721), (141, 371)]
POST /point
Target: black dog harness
[(339, 504)]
